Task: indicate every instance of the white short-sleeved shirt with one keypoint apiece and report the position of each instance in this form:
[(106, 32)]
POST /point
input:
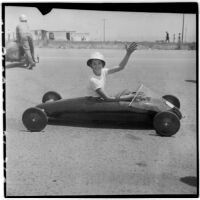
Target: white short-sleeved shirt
[(97, 82)]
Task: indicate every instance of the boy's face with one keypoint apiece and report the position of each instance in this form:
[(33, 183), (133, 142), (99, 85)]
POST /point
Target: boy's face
[(97, 66)]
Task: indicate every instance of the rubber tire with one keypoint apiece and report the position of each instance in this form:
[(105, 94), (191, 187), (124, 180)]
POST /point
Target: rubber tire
[(34, 119), (176, 111), (172, 99), (51, 95), (166, 123)]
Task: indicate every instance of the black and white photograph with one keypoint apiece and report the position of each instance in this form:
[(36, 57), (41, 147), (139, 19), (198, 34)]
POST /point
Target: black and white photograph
[(100, 99)]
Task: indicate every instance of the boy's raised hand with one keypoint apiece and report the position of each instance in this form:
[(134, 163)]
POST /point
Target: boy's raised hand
[(131, 48)]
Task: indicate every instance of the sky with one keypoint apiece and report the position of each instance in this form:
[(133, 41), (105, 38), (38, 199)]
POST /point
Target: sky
[(119, 26)]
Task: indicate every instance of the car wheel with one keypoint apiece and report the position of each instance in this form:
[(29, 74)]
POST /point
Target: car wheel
[(166, 123), (177, 112), (51, 96), (34, 119), (172, 99)]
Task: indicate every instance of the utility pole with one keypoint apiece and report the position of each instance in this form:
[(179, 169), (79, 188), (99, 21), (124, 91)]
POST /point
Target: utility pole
[(104, 22), (185, 34), (183, 29)]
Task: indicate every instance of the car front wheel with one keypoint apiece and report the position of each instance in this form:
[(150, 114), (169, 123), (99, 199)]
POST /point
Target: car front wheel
[(172, 99), (166, 123)]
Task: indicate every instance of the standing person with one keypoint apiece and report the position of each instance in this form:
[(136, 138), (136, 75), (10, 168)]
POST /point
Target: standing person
[(167, 37), (24, 38), (96, 86), (179, 38), (179, 41)]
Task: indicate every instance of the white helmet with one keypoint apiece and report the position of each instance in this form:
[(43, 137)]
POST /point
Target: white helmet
[(22, 18), (98, 56)]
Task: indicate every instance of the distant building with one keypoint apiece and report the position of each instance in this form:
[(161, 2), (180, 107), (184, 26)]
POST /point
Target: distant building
[(45, 35), (10, 36), (67, 35), (39, 34), (60, 35), (80, 36)]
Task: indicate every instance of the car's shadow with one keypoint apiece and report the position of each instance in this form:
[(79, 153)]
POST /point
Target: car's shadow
[(190, 180), (99, 124), (15, 65)]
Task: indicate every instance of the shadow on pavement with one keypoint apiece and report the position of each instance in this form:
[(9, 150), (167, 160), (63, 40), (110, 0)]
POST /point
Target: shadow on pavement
[(190, 180), (191, 81), (132, 137), (15, 65), (96, 124), (27, 131)]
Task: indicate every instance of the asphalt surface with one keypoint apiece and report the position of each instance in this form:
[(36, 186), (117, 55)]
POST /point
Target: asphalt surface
[(79, 160)]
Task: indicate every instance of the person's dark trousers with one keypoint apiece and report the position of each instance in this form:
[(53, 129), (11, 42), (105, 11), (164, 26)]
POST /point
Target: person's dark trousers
[(30, 41), (27, 50)]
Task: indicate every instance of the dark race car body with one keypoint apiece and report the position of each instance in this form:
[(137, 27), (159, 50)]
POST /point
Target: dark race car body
[(161, 113)]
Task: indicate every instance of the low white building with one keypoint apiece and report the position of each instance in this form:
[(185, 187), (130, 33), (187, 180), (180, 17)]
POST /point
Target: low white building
[(80, 36), (67, 35), (10, 35), (41, 34), (59, 35)]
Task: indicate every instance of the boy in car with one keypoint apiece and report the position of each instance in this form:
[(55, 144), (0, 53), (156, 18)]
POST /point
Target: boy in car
[(96, 86)]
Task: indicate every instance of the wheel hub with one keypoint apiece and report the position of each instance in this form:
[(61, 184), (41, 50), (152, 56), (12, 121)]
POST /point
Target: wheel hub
[(166, 124)]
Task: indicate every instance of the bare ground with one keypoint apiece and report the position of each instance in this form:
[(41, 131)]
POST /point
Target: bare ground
[(67, 160)]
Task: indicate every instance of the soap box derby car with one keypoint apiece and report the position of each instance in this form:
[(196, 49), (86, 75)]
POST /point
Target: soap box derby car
[(162, 112), (15, 53)]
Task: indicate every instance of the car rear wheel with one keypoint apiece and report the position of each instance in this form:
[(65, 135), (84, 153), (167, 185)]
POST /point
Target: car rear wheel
[(166, 123), (172, 99), (176, 111), (34, 119), (51, 96)]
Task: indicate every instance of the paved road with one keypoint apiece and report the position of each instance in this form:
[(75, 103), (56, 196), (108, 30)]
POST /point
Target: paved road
[(67, 160)]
